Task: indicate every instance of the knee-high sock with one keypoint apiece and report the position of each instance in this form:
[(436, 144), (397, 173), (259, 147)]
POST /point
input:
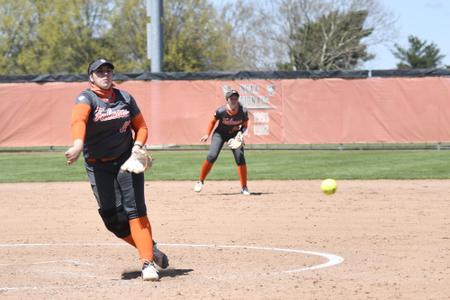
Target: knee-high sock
[(206, 167), (242, 171), (129, 240), (141, 233)]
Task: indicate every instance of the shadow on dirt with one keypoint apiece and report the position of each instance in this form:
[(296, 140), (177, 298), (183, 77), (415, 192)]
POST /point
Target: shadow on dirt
[(164, 273), (231, 194)]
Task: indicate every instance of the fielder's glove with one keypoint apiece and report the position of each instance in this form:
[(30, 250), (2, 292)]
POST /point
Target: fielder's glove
[(138, 162), (236, 142)]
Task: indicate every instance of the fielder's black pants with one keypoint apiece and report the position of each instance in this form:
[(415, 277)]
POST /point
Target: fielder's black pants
[(217, 142)]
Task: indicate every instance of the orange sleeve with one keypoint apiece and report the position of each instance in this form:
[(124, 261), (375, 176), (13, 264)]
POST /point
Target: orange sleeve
[(140, 128), (211, 125), (80, 115)]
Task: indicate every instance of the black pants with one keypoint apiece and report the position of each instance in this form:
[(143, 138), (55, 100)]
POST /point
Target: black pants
[(217, 141), (113, 188)]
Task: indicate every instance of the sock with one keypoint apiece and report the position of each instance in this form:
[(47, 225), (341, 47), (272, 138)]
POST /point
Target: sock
[(242, 171), (206, 167), (129, 240), (141, 233)]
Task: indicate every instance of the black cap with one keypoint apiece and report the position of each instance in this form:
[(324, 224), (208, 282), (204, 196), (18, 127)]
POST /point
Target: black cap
[(231, 93), (93, 66)]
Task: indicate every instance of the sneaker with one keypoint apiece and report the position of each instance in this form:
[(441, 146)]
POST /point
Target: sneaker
[(149, 271), (160, 258), (198, 186), (245, 191)]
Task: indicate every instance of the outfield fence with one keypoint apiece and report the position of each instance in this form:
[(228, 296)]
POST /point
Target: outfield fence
[(341, 113)]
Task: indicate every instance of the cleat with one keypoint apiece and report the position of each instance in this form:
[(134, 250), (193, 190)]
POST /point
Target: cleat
[(160, 258), (149, 272), (245, 191), (198, 186)]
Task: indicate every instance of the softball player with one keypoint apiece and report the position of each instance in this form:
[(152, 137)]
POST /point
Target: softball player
[(232, 118), (103, 121)]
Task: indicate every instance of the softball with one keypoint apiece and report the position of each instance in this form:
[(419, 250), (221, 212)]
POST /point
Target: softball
[(328, 186)]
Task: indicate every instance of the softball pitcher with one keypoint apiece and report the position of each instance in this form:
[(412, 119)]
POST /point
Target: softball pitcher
[(103, 122), (232, 121)]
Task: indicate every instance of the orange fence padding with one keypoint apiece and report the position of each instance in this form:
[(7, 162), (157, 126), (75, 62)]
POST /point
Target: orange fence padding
[(282, 111)]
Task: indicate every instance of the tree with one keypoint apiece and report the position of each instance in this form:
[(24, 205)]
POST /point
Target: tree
[(46, 36), (49, 36), (16, 29), (196, 39), (247, 33), (374, 25), (128, 35), (52, 36), (419, 55), (332, 42)]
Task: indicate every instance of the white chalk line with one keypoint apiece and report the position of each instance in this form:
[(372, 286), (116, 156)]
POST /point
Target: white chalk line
[(74, 262), (332, 259)]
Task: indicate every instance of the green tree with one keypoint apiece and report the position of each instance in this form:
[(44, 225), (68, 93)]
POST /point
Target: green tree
[(419, 55), (332, 42), (196, 39), (17, 25), (128, 35), (68, 35), (57, 37), (53, 36)]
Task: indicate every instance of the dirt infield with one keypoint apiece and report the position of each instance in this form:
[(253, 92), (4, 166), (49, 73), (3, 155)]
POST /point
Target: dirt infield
[(393, 237)]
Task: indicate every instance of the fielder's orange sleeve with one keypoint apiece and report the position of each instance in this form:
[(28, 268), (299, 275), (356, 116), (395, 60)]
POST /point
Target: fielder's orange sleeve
[(140, 128), (80, 115), (211, 125)]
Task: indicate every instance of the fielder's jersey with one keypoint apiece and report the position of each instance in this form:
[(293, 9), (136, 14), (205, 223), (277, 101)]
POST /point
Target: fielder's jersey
[(108, 129), (229, 125)]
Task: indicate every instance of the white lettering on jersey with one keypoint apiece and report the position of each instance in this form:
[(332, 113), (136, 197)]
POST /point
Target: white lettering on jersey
[(101, 114)]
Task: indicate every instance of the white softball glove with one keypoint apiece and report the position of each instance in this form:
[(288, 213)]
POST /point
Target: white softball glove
[(138, 162), (236, 142)]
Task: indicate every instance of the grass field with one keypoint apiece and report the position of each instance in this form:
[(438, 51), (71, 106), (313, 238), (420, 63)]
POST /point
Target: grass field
[(262, 164)]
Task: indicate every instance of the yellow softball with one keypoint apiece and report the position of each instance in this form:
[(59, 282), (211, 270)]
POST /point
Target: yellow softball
[(328, 186)]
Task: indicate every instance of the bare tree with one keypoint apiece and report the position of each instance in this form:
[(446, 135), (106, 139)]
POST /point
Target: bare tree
[(299, 13), (248, 26), (273, 25)]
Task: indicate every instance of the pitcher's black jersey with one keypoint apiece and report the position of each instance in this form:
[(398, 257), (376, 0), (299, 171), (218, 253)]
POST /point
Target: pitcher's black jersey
[(108, 129)]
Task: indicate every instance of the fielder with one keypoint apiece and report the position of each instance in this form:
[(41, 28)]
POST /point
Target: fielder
[(232, 121), (103, 121)]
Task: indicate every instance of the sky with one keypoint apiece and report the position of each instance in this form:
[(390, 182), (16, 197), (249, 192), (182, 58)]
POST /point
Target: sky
[(429, 20)]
